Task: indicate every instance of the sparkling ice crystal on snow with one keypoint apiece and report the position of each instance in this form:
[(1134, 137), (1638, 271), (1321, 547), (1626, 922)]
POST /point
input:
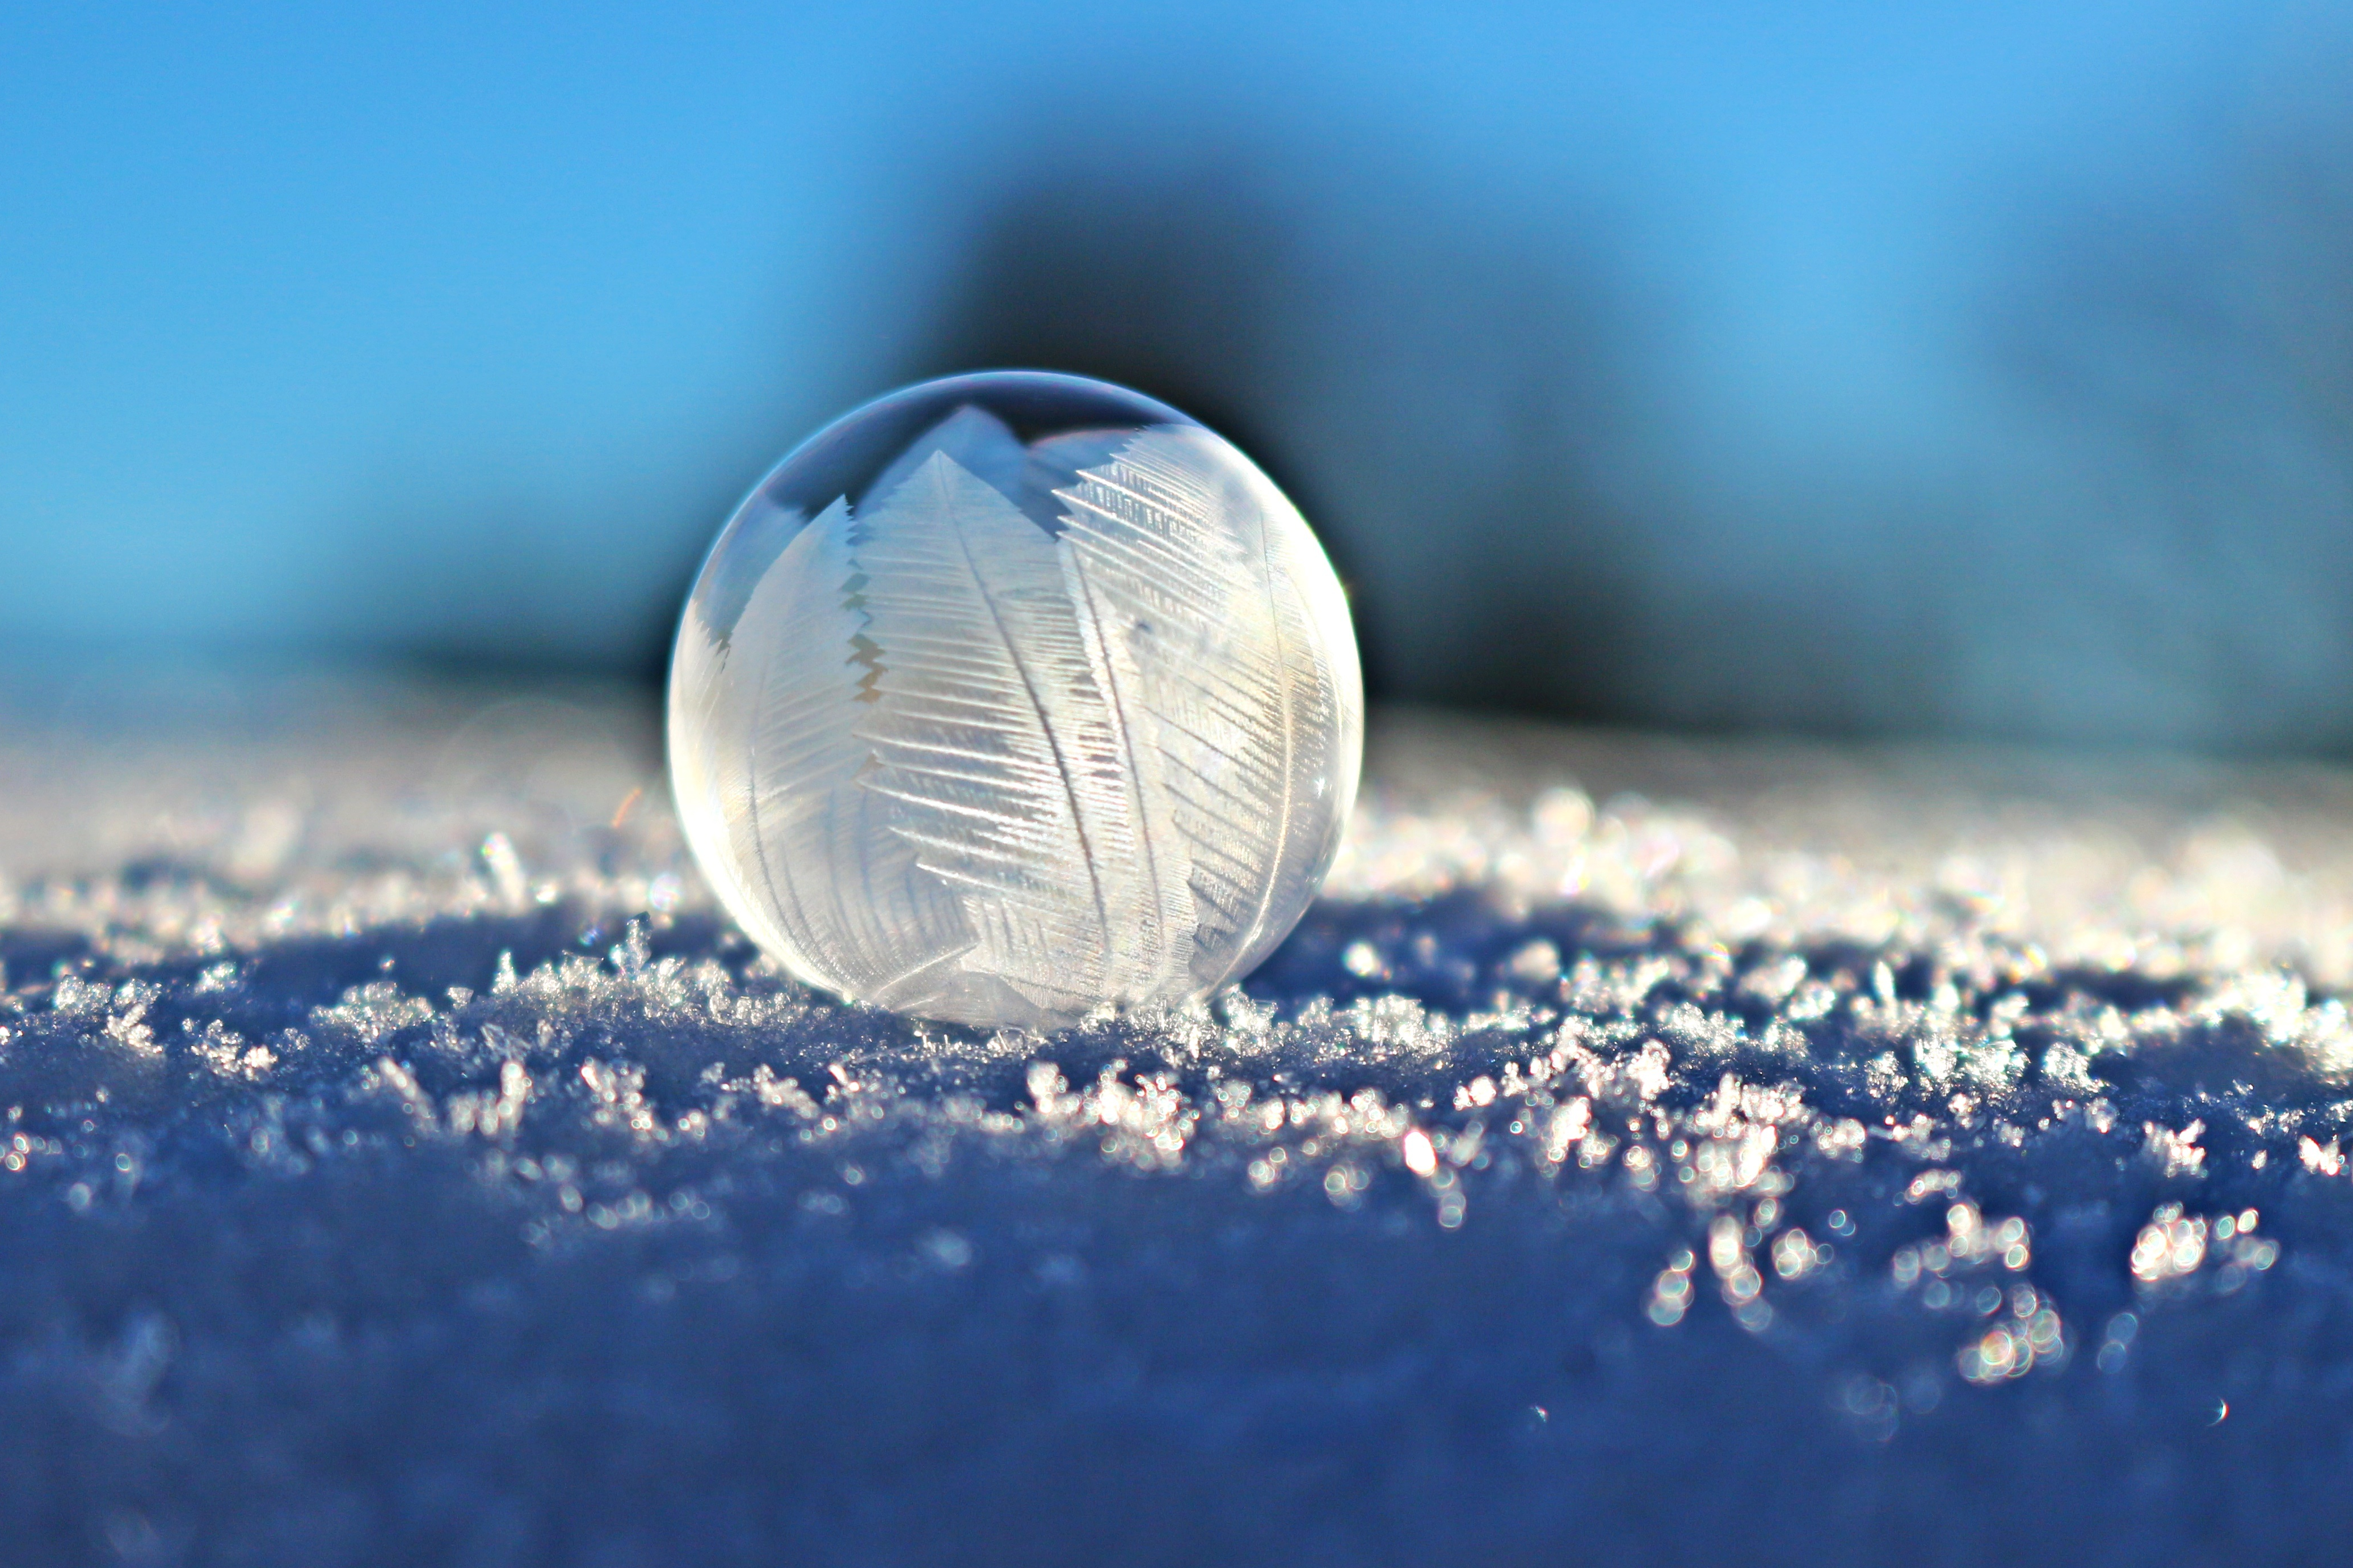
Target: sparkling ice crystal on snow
[(1013, 696)]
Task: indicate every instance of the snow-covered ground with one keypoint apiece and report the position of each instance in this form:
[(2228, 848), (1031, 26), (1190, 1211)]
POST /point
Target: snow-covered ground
[(1649, 1152)]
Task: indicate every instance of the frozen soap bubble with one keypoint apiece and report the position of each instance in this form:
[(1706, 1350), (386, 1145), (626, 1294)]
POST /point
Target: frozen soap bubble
[(1010, 696)]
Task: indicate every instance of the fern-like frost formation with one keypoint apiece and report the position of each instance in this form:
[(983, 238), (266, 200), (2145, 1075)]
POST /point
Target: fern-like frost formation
[(1031, 730)]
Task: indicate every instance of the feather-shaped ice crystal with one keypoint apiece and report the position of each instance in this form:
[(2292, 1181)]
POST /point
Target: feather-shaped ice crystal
[(1013, 696)]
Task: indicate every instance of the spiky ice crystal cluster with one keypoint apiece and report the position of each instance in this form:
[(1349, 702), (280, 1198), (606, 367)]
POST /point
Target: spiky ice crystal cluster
[(1002, 727), (1829, 1157)]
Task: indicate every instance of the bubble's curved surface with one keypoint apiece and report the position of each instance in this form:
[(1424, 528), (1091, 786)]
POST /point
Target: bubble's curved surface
[(1011, 696)]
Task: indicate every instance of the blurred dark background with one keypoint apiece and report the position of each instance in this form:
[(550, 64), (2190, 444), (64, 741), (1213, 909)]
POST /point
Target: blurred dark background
[(1981, 370)]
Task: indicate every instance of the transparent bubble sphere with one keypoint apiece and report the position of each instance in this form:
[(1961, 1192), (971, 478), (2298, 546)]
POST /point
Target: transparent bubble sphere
[(1012, 696)]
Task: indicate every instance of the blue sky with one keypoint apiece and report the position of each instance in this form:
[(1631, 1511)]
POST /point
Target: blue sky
[(452, 329)]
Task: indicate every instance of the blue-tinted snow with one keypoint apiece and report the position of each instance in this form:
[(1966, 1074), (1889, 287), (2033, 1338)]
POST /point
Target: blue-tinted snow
[(1818, 1156)]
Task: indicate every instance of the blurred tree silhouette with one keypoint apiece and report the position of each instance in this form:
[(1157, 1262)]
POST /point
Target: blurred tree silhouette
[(1438, 396)]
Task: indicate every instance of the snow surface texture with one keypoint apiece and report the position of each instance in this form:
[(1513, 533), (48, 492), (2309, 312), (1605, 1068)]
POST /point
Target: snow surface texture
[(1835, 1157)]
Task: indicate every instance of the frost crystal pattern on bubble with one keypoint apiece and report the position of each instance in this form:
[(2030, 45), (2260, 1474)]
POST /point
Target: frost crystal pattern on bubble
[(1024, 729)]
